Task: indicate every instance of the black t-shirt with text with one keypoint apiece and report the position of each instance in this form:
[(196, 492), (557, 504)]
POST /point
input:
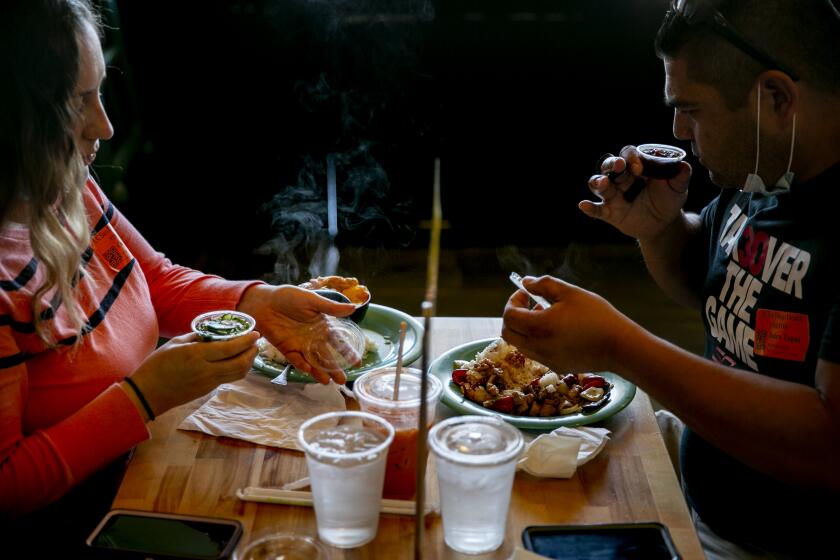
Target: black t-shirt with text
[(771, 306)]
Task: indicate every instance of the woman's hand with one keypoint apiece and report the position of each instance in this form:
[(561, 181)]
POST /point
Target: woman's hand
[(284, 314), (186, 368), (577, 333), (657, 205)]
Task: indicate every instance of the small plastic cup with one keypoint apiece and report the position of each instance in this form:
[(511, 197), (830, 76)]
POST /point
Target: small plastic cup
[(374, 391), (345, 453), (283, 545), (660, 161), (476, 461), (333, 343), (222, 325)]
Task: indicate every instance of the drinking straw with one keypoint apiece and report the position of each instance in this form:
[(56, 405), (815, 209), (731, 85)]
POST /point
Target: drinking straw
[(399, 361)]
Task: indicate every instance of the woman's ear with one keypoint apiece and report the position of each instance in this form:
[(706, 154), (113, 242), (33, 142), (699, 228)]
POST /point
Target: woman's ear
[(783, 92)]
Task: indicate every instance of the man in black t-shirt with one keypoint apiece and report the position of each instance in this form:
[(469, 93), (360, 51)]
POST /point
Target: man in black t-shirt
[(755, 87)]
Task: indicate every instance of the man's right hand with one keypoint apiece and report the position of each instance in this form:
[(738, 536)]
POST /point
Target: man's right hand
[(658, 204)]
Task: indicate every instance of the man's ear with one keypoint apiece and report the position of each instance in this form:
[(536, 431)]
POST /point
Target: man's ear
[(783, 92)]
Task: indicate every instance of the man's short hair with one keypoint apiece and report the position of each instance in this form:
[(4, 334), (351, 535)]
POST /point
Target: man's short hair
[(802, 34)]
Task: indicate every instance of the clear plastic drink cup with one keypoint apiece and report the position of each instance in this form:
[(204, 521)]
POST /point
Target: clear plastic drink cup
[(345, 453), (476, 460), (374, 391)]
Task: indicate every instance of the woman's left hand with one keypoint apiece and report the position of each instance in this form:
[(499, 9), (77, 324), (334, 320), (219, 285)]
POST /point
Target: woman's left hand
[(283, 314)]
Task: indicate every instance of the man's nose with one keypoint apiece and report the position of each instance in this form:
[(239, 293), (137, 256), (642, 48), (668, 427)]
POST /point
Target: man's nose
[(681, 127)]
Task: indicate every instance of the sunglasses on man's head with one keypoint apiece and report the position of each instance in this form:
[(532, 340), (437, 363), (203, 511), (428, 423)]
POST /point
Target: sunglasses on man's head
[(705, 12)]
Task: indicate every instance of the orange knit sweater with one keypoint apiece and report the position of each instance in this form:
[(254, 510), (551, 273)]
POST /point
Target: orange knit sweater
[(63, 414)]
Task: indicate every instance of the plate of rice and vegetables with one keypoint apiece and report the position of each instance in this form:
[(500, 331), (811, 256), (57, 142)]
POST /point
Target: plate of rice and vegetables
[(491, 377)]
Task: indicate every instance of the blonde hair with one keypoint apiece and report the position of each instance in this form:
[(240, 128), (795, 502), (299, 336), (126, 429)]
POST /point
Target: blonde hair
[(41, 168)]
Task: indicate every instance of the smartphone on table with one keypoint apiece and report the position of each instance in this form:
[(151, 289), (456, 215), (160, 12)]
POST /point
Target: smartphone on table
[(146, 535), (616, 541)]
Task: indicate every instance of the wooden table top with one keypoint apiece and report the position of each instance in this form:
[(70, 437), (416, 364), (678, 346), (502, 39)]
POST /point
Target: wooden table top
[(193, 473)]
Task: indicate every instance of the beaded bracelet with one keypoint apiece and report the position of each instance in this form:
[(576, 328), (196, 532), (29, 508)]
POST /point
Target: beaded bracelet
[(140, 396)]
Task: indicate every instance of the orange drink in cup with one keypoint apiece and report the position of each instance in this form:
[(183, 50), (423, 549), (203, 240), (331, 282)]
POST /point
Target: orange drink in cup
[(375, 393)]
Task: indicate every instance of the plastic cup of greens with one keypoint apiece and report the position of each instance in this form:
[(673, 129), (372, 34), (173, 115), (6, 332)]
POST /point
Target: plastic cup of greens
[(222, 325)]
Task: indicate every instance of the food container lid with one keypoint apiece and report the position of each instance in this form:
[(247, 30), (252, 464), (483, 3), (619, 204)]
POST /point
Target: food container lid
[(377, 388)]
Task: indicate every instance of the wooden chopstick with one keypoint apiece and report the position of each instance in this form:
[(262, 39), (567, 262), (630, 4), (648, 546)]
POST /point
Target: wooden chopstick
[(304, 498)]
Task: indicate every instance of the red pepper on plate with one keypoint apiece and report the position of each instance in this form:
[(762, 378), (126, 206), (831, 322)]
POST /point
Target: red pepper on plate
[(459, 376), (503, 404)]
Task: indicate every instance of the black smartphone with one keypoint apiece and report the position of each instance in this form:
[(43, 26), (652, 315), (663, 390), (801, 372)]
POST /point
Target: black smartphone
[(613, 541), (146, 535)]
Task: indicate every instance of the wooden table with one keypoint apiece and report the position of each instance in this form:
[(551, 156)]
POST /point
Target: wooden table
[(631, 480)]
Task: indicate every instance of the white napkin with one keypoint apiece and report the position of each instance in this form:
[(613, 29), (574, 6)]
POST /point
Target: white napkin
[(559, 453), (255, 410)]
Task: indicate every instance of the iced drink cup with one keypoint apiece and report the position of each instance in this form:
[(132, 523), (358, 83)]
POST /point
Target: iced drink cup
[(345, 453), (375, 392), (476, 460)]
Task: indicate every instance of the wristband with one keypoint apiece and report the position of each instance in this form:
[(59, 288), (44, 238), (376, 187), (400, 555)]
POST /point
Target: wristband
[(141, 398)]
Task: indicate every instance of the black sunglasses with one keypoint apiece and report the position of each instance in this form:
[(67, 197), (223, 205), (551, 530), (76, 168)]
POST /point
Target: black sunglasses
[(698, 12)]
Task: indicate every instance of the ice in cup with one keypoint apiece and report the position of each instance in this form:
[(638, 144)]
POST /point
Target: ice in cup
[(375, 393), (345, 453), (476, 460), (660, 161)]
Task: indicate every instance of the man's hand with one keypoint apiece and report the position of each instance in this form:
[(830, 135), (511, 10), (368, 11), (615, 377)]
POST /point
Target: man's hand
[(576, 333), (657, 205)]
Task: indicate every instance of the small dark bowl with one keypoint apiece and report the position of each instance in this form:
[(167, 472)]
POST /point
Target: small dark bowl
[(361, 308)]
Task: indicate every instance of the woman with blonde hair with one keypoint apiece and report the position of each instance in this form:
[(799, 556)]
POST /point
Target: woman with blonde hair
[(83, 296)]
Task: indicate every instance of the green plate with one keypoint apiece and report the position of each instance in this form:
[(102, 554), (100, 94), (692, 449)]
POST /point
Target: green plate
[(382, 325), (622, 393)]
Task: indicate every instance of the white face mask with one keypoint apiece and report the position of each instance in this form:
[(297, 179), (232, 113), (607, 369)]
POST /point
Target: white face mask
[(754, 182)]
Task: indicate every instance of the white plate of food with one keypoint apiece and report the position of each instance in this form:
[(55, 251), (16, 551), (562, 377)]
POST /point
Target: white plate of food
[(615, 392), (381, 326)]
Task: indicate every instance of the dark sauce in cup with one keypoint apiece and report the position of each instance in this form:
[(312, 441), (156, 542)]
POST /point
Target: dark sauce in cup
[(660, 161)]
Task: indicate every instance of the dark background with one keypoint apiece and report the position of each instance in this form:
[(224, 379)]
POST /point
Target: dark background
[(219, 106)]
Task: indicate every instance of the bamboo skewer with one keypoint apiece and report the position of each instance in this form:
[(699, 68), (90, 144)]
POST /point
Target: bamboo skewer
[(304, 498), (403, 327), (428, 310)]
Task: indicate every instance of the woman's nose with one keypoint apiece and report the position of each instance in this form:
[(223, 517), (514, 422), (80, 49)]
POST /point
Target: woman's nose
[(98, 126)]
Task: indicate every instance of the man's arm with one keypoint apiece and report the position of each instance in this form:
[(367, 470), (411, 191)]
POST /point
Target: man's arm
[(663, 256), (788, 430)]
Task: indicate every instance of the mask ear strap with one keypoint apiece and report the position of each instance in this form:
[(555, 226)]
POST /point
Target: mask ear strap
[(758, 130), (792, 140)]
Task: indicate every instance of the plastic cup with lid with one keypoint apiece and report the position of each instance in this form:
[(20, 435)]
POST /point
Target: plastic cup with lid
[(476, 460), (374, 391)]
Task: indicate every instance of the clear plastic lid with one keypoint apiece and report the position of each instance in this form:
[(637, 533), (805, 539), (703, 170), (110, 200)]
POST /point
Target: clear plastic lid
[(376, 388), (283, 545), (345, 437), (332, 343), (476, 440)]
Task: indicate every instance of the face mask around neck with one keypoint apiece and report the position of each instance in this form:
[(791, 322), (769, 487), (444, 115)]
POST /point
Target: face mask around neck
[(754, 182)]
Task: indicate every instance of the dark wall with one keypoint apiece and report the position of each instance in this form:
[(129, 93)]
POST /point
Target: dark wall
[(238, 101)]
